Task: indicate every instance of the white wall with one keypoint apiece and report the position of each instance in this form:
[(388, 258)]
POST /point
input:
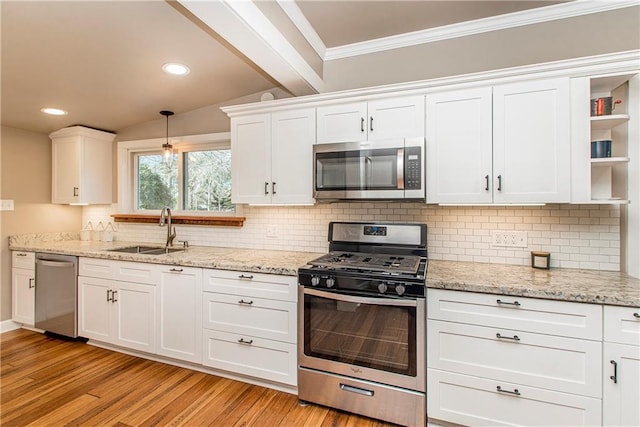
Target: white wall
[(577, 236)]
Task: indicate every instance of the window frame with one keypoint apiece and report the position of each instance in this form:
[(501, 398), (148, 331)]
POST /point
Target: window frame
[(128, 152)]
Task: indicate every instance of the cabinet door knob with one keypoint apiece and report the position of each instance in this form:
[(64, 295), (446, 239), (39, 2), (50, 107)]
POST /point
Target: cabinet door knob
[(636, 315)]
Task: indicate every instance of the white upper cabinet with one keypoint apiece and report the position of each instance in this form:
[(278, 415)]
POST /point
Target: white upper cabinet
[(501, 144), (401, 117), (531, 145), (272, 157), (459, 146), (82, 166)]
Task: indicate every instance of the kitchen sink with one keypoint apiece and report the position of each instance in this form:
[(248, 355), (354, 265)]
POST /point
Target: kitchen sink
[(146, 250)]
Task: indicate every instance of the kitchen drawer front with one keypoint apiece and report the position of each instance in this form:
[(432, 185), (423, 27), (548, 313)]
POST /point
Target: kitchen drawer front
[(245, 315), (544, 361), (253, 356), (26, 260), (622, 325), (125, 271), (469, 400), (568, 319), (259, 285)]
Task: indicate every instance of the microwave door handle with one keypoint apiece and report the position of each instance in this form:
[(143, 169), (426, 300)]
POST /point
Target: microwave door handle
[(368, 166), (400, 169)]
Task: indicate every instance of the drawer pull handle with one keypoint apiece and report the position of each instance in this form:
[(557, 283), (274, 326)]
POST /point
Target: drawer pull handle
[(242, 341), (113, 296), (245, 302), (614, 377), (515, 391), (21, 254), (357, 390), (636, 315), (242, 276), (109, 295), (176, 270), (502, 337), (32, 282), (516, 303)]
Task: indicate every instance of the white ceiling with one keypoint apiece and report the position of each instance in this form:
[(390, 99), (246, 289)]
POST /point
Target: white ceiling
[(101, 60)]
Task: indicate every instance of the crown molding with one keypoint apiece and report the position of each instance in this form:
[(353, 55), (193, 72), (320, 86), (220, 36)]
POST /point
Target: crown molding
[(495, 23), (597, 65)]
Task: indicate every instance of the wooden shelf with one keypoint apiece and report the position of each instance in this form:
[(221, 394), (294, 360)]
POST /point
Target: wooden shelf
[(226, 221), (608, 122), (608, 161)]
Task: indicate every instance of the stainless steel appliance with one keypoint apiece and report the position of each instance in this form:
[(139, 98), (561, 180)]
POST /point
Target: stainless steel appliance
[(362, 322), (370, 170), (56, 294)]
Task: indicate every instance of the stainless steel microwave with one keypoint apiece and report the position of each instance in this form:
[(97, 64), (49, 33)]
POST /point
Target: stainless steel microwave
[(370, 170)]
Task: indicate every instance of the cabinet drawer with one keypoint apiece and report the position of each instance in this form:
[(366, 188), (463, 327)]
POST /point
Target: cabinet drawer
[(258, 317), (26, 260), (259, 285), (544, 361), (568, 319), (622, 325), (468, 400), (125, 271), (251, 356)]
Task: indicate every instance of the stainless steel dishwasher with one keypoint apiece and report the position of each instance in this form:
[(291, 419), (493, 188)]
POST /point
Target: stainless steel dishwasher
[(57, 294)]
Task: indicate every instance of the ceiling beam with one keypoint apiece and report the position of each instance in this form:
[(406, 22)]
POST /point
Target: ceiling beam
[(247, 29)]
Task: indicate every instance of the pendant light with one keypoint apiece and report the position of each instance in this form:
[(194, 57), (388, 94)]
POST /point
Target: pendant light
[(168, 148)]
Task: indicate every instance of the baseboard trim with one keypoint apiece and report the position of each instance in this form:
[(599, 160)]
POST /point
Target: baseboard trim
[(9, 325)]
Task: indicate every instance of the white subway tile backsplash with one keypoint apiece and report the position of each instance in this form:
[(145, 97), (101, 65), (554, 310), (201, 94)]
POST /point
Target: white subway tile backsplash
[(577, 236)]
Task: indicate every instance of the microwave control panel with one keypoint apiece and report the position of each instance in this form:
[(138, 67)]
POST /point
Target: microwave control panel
[(412, 168)]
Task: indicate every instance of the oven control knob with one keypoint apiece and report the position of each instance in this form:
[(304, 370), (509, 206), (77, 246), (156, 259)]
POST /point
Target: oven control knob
[(330, 282), (382, 287), (315, 281), (400, 289)]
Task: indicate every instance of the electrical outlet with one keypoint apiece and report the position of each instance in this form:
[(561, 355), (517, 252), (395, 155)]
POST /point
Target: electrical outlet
[(6, 205), (272, 231), (512, 239)]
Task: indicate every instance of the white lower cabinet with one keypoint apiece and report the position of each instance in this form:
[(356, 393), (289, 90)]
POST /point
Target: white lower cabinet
[(120, 313), (249, 322), (496, 360), (621, 374), (179, 325), (23, 273)]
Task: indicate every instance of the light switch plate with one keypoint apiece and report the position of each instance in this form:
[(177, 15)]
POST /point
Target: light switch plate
[(6, 205)]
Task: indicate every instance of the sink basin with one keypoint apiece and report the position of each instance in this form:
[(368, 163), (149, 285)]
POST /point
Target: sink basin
[(146, 250)]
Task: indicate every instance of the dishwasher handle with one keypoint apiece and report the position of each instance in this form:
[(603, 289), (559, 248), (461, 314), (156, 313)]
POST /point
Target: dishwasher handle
[(49, 263)]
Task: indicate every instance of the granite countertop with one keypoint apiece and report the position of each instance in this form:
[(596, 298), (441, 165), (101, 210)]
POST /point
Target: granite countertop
[(248, 260), (588, 286)]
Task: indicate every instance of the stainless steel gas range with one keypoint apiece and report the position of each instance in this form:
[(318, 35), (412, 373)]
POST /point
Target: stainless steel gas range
[(362, 322)]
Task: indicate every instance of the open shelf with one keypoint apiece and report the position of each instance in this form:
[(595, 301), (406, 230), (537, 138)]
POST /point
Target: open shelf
[(608, 122), (608, 161)]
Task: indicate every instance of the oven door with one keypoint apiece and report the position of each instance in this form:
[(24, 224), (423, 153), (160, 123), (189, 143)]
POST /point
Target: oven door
[(378, 339)]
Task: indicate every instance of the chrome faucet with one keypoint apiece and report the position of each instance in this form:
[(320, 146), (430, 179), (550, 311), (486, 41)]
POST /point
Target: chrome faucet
[(171, 231)]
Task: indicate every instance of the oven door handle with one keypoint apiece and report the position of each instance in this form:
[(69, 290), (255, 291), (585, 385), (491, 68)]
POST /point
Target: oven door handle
[(363, 300)]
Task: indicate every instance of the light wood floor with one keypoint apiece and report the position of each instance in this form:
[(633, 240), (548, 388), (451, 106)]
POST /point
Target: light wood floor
[(51, 382)]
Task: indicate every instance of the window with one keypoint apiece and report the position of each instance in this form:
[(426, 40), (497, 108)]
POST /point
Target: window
[(193, 180), (196, 180)]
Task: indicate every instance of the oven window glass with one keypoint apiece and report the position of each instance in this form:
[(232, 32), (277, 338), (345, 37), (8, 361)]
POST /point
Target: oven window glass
[(373, 336), (357, 170)]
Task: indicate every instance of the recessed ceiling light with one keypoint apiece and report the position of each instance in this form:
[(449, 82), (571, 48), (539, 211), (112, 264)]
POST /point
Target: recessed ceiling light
[(175, 68), (53, 111)]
